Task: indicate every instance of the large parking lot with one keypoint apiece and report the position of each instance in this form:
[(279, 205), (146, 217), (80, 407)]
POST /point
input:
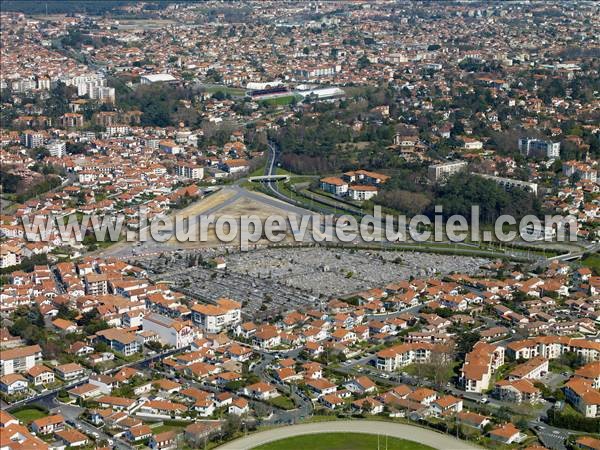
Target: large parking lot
[(273, 281)]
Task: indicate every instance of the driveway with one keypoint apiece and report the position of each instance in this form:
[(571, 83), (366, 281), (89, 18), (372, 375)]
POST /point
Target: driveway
[(417, 434)]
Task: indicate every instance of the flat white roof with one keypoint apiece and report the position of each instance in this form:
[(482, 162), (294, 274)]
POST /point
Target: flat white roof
[(154, 77), (322, 92)]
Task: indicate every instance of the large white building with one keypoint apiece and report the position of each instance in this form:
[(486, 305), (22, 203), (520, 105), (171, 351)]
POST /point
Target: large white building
[(157, 78), (57, 148), (539, 147), (479, 366), (362, 192), (585, 171), (9, 258), (511, 183), (438, 172), (20, 359), (582, 395), (170, 331), (103, 93), (32, 139), (317, 71), (390, 359), (216, 318), (191, 171)]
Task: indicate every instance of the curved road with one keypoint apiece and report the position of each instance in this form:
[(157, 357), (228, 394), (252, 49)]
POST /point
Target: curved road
[(417, 434)]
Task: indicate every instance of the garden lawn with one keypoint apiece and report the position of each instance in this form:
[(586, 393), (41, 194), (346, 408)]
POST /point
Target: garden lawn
[(282, 402), (29, 415), (593, 262), (162, 428)]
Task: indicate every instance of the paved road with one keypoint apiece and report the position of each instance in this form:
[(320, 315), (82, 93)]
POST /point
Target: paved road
[(74, 412), (280, 416), (421, 435), (552, 437), (48, 395)]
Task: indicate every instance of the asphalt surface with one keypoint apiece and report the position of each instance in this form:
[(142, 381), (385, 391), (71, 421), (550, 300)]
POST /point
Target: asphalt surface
[(304, 404), (413, 433), (72, 414)]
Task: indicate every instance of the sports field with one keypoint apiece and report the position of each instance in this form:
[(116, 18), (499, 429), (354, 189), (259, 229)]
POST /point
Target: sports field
[(342, 441)]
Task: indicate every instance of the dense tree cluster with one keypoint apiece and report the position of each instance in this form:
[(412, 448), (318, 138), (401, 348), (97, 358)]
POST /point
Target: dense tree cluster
[(91, 7), (405, 193), (160, 103), (14, 184), (461, 192), (573, 422)]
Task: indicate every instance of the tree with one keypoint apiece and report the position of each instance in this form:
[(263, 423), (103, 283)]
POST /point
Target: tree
[(503, 414), (466, 341), (57, 103), (214, 75), (262, 410), (363, 62), (366, 407), (439, 368), (101, 347), (571, 359), (231, 426), (75, 148), (65, 313), (462, 191), (155, 346), (9, 181), (219, 95), (29, 325)]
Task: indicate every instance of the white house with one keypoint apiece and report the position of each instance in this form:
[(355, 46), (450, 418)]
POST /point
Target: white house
[(20, 359), (261, 391), (447, 404), (171, 332), (13, 383), (321, 386), (40, 375), (362, 192), (360, 385), (238, 407), (334, 185)]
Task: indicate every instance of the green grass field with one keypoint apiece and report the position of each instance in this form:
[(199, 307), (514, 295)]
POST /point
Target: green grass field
[(281, 101), (29, 415), (162, 428), (342, 441), (593, 262), (226, 90), (282, 402)]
